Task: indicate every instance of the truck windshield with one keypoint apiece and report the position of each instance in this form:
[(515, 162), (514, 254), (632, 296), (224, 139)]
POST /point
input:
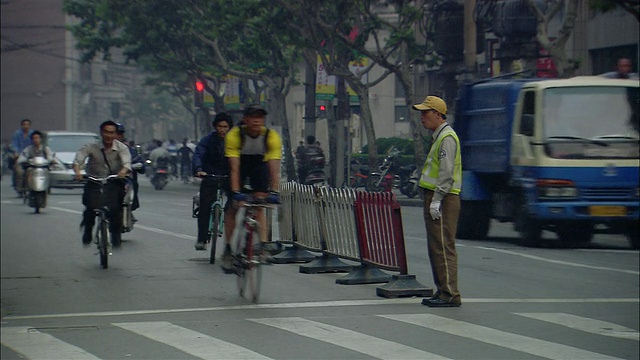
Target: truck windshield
[(591, 122)]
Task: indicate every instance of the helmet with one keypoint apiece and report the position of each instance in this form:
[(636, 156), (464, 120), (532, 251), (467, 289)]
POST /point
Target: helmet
[(119, 128)]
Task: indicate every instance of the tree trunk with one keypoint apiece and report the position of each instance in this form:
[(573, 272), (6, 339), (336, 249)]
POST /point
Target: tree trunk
[(278, 110)]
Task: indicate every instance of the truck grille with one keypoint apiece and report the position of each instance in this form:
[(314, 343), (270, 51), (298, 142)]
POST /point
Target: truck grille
[(607, 193)]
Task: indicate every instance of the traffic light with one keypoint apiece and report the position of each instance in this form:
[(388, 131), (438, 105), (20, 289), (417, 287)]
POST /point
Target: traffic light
[(198, 94), (322, 111)]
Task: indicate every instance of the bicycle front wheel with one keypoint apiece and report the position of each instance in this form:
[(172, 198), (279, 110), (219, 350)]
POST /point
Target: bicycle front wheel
[(103, 243), (213, 231), (250, 269)]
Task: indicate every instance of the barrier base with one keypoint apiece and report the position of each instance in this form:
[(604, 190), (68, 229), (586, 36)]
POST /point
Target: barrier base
[(292, 254), (325, 263), (364, 274), (403, 285)]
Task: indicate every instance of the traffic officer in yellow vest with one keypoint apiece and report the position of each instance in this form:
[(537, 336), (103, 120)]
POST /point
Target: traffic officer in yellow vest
[(441, 182)]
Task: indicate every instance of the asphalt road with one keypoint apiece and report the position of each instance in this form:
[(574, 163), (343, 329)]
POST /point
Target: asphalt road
[(160, 299)]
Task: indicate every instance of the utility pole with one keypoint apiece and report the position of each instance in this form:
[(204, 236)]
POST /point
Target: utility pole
[(310, 99), (469, 37)]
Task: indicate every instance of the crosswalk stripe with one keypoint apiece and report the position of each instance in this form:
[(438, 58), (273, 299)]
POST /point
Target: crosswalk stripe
[(366, 344), (36, 345), (189, 341), (504, 339), (593, 326)]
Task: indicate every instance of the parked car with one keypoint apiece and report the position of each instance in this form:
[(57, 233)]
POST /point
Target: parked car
[(64, 145)]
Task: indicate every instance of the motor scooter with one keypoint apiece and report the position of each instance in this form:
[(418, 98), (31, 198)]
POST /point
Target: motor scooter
[(38, 182), (160, 177), (127, 201)]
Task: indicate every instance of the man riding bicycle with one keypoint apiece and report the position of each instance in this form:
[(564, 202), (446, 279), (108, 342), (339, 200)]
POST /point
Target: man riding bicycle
[(209, 160), (254, 153), (107, 157)]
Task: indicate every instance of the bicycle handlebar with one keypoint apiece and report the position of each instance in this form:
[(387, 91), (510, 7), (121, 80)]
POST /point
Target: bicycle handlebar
[(103, 179), (214, 176)]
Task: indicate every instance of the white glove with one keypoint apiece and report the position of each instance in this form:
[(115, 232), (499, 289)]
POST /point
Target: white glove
[(434, 209)]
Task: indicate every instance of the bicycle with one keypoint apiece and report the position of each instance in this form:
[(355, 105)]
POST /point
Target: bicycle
[(249, 254), (103, 237), (216, 217)]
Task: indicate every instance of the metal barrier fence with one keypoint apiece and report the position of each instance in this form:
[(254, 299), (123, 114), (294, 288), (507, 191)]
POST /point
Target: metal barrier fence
[(380, 231), (352, 225)]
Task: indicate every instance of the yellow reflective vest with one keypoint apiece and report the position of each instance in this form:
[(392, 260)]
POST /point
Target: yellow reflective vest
[(431, 169)]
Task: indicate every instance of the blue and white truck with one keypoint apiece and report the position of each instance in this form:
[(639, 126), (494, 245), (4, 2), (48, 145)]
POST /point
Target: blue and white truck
[(559, 155)]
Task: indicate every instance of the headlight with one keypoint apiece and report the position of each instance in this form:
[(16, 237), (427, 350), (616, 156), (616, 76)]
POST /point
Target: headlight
[(554, 188), (559, 192)]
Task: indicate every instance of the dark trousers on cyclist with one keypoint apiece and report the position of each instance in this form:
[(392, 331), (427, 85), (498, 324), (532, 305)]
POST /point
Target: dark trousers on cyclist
[(208, 189), (92, 199)]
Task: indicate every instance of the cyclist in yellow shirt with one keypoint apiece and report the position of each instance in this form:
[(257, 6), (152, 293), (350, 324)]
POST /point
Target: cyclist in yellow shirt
[(254, 152)]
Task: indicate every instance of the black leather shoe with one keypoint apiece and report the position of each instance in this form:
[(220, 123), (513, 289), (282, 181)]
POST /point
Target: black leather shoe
[(439, 303), (435, 295)]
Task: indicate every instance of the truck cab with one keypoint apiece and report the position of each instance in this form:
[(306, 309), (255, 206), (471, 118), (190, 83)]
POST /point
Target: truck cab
[(558, 155)]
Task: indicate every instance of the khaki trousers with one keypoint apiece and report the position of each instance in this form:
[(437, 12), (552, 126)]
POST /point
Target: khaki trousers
[(441, 240)]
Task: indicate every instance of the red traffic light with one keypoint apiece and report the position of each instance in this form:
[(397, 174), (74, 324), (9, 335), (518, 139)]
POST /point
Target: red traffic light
[(199, 86), (323, 108)]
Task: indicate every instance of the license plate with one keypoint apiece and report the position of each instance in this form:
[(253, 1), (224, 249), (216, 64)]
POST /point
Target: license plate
[(608, 210)]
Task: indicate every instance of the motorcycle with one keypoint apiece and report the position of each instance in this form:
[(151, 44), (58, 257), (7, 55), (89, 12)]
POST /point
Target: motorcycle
[(38, 182), (410, 187), (385, 179), (315, 176), (160, 177)]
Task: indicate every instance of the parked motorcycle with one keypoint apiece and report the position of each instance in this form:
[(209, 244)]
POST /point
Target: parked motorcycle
[(409, 185), (160, 177), (38, 182), (358, 175), (385, 179)]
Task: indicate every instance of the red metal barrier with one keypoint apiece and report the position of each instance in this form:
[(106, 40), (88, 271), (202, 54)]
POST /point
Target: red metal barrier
[(380, 234)]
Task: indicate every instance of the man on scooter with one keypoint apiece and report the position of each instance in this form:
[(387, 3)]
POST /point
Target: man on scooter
[(37, 148), (137, 164)]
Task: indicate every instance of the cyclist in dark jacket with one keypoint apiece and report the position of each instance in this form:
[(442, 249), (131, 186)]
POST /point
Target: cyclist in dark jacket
[(209, 159)]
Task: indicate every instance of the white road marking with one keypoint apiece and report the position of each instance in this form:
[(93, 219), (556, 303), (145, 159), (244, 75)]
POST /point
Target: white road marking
[(559, 262), (35, 345), (148, 228), (312, 304), (352, 340), (189, 341), (66, 210), (593, 326), (504, 339), (165, 232)]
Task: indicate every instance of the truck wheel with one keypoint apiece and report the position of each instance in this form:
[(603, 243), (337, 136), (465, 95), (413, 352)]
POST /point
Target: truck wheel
[(632, 234), (474, 221), (528, 227), (575, 234)]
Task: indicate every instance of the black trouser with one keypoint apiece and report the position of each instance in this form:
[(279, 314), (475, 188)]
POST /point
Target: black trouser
[(112, 199), (208, 190)]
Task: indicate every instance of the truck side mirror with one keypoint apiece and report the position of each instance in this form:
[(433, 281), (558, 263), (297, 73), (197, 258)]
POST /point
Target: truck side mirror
[(526, 125)]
